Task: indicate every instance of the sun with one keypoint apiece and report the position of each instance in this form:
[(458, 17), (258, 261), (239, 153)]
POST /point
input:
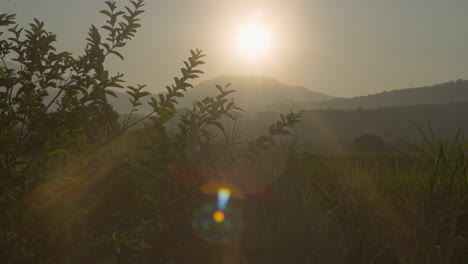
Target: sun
[(254, 40)]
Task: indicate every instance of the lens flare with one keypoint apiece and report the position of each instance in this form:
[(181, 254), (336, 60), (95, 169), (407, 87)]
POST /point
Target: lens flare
[(223, 198), (207, 226), (218, 216)]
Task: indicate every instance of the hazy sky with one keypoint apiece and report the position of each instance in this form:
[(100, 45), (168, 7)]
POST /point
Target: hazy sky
[(342, 48)]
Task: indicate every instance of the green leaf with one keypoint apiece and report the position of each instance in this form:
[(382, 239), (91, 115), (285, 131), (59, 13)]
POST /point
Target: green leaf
[(2, 72), (194, 55), (106, 12), (111, 5), (104, 76), (107, 27), (143, 94), (111, 93), (117, 54), (220, 89)]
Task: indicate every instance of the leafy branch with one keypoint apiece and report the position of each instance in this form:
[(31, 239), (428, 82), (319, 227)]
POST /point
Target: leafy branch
[(277, 129)]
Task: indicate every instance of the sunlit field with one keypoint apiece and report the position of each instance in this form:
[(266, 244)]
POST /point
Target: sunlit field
[(96, 167), (284, 205)]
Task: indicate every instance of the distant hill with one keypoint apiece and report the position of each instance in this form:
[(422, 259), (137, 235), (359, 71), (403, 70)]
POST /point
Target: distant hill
[(253, 93), (449, 92), (258, 93)]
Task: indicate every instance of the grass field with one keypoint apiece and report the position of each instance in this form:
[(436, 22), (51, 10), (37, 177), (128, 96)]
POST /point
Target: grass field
[(286, 207)]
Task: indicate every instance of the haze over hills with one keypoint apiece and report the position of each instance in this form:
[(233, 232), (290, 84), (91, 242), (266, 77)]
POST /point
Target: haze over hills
[(328, 121), (260, 93), (252, 93), (444, 93), (328, 127)]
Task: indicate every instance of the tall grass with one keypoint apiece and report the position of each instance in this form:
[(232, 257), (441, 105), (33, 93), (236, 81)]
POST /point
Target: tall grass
[(365, 208), (296, 207)]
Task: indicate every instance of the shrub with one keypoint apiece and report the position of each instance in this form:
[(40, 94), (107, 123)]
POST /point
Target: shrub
[(370, 143), (68, 191)]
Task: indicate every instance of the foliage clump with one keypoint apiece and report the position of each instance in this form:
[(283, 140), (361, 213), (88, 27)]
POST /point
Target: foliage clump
[(58, 134)]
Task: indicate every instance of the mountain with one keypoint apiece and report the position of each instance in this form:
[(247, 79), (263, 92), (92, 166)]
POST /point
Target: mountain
[(258, 93), (444, 93), (253, 93)]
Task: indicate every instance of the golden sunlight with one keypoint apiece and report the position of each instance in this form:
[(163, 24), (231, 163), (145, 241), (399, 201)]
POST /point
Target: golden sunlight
[(254, 40)]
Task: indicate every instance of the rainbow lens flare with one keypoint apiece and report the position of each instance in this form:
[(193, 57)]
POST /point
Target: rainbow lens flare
[(218, 216), (217, 226), (223, 198), (216, 222)]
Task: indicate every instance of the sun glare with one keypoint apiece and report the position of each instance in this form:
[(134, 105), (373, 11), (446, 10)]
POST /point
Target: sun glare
[(254, 40)]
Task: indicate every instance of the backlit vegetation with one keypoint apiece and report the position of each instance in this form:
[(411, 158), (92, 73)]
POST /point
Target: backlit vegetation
[(80, 185)]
